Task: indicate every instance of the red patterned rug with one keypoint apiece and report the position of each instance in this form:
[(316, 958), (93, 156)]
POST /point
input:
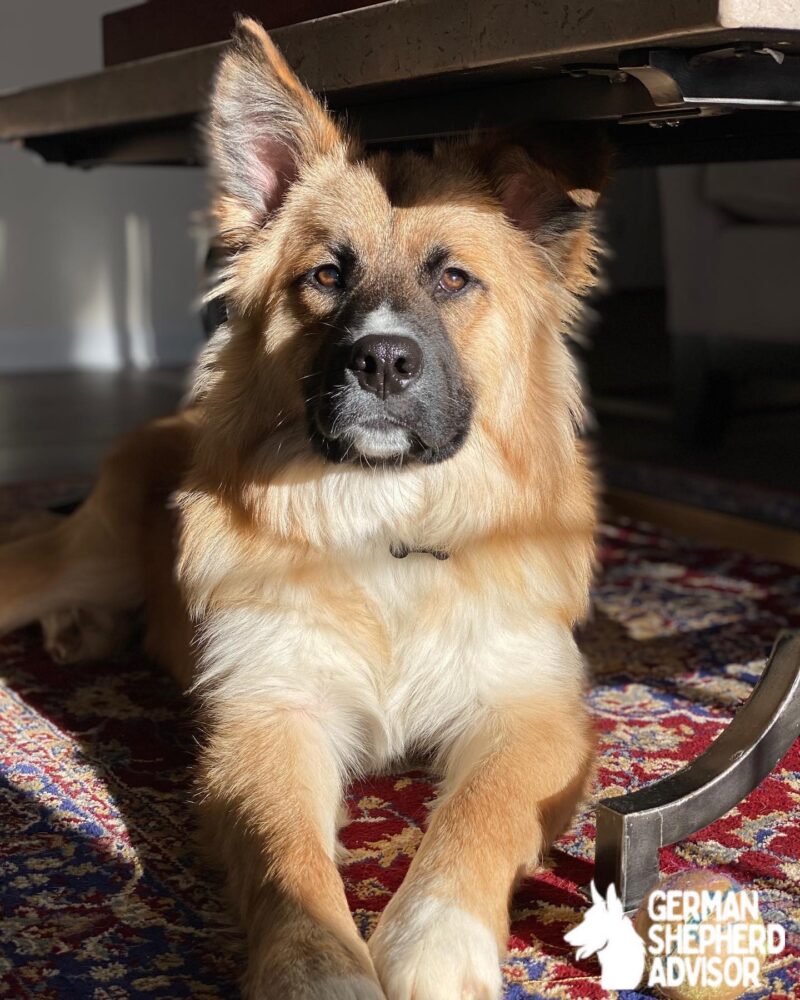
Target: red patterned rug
[(103, 896)]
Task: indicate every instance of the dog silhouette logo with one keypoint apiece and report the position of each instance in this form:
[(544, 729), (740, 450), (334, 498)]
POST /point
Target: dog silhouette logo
[(606, 930)]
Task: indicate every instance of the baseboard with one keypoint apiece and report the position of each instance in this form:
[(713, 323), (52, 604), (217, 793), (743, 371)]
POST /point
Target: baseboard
[(763, 540)]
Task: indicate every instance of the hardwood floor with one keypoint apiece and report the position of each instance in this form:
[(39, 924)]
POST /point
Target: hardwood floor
[(61, 424)]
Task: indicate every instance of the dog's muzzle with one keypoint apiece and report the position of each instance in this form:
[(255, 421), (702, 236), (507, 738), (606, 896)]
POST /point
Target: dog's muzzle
[(389, 390)]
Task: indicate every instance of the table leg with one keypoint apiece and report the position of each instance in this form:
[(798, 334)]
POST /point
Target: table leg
[(632, 828)]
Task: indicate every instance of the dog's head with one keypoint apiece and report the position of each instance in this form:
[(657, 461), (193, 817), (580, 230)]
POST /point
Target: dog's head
[(383, 306)]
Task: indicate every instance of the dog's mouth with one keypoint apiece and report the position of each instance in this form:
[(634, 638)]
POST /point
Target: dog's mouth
[(380, 439)]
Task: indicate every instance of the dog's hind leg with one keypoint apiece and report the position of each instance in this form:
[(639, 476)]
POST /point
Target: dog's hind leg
[(83, 634), (52, 575), (32, 582), (82, 576), (29, 523)]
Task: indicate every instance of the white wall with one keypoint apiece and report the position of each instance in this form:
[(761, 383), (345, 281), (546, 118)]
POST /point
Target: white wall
[(97, 268)]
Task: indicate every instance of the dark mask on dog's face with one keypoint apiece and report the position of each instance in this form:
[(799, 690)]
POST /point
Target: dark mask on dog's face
[(387, 383)]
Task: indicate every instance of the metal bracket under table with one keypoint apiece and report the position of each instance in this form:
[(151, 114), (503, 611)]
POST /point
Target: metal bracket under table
[(632, 828)]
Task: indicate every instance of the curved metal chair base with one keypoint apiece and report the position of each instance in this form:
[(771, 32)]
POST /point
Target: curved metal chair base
[(632, 828)]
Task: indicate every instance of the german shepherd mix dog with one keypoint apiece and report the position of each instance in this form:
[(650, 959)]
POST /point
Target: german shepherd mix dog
[(385, 532)]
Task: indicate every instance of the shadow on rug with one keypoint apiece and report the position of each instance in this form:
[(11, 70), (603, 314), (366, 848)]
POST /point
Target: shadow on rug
[(104, 894)]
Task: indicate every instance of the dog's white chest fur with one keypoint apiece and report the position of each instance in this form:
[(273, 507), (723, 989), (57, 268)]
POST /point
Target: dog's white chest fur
[(446, 653)]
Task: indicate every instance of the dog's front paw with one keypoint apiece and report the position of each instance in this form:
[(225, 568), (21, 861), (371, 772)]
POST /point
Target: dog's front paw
[(303, 961), (313, 984), (426, 949), (345, 988)]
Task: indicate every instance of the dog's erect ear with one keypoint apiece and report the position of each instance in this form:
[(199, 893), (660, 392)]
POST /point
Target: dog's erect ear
[(550, 192), (536, 200), (264, 126), (596, 896)]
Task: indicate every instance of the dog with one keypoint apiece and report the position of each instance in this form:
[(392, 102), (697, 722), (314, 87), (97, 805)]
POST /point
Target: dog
[(368, 534)]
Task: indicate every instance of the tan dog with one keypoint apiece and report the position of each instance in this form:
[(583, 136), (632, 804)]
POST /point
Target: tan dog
[(386, 532)]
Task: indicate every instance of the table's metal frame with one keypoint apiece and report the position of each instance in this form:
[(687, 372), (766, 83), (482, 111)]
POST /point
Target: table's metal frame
[(632, 828), (412, 70)]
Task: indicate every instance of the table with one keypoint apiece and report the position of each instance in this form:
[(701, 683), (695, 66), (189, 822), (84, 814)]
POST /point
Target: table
[(409, 70)]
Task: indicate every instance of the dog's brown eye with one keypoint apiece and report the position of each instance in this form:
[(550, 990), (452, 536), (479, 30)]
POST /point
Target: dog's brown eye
[(328, 276), (453, 280)]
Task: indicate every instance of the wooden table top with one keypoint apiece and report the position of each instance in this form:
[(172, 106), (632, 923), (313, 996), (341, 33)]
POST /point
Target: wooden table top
[(411, 69)]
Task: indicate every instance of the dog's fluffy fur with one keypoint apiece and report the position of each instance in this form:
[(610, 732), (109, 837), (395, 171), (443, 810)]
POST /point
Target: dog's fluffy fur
[(314, 652)]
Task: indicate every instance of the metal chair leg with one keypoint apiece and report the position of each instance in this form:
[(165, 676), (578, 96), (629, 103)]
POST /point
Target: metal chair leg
[(631, 828)]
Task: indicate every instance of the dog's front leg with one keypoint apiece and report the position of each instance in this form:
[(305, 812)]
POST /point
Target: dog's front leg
[(510, 787), (272, 793)]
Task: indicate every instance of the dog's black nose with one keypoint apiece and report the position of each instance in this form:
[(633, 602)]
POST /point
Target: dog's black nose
[(385, 365)]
